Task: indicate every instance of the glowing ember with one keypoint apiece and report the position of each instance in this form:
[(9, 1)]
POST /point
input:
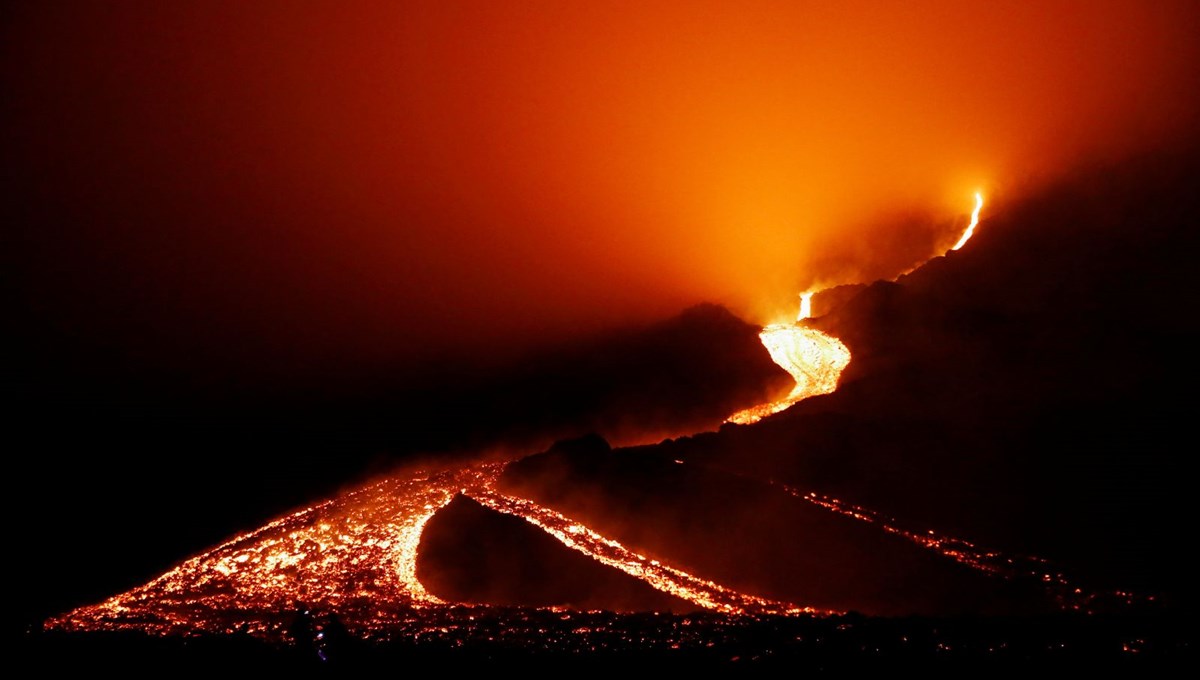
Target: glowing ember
[(974, 221), (814, 360)]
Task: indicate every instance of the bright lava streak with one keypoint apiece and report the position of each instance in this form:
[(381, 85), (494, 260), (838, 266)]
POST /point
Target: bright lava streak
[(805, 306), (356, 555), (994, 563), (660, 576), (974, 221), (814, 359)]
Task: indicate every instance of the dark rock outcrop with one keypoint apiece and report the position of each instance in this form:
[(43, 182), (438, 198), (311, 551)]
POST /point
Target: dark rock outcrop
[(469, 553)]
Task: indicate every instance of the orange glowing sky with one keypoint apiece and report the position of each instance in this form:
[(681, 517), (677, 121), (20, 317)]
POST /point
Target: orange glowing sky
[(281, 184)]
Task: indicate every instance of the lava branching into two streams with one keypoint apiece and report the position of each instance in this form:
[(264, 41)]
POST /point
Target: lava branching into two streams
[(356, 555)]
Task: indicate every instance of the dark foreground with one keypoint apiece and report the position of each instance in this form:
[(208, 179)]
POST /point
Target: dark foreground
[(546, 639)]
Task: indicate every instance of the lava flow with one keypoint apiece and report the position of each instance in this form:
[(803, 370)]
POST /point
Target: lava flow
[(1027, 568), (970, 231), (672, 581), (805, 306), (356, 555), (814, 359)]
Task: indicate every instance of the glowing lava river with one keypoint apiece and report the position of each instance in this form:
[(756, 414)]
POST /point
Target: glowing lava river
[(356, 555), (814, 360)]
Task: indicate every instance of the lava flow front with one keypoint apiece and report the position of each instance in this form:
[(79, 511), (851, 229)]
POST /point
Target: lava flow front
[(355, 554)]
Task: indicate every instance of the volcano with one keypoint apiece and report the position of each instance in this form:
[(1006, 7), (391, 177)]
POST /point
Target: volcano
[(1002, 444)]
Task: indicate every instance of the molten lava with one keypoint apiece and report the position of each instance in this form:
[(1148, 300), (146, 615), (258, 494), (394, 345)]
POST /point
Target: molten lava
[(356, 555), (970, 227), (805, 306), (669, 580), (994, 563), (814, 359)]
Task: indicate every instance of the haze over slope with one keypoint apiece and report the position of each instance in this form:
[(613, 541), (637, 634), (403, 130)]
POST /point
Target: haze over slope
[(218, 197)]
